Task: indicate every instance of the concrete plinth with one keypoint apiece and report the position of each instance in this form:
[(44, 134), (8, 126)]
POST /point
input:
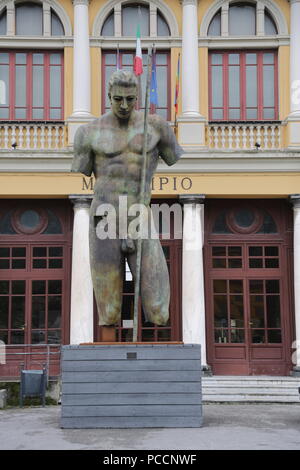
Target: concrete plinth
[(131, 386)]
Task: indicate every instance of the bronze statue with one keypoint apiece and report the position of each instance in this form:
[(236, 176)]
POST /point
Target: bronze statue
[(111, 147)]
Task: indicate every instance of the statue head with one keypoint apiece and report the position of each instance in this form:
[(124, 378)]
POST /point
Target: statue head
[(122, 93)]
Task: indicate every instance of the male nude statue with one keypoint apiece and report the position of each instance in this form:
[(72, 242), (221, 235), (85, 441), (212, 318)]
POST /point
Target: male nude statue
[(111, 147)]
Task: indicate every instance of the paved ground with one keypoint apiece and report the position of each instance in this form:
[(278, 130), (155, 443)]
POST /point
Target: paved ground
[(234, 426)]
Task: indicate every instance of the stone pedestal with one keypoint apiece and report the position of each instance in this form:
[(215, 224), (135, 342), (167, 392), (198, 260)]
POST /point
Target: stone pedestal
[(131, 386)]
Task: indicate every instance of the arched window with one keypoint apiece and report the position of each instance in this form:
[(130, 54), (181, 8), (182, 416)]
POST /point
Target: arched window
[(57, 28), (3, 23), (122, 22), (214, 28), (108, 28), (270, 26), (32, 19), (162, 26), (31, 81), (243, 81), (133, 15), (242, 20), (29, 19)]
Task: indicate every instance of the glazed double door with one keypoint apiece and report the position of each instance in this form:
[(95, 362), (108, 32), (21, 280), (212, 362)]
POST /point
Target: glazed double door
[(248, 326)]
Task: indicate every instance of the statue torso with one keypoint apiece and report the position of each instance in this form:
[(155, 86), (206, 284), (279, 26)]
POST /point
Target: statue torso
[(118, 157)]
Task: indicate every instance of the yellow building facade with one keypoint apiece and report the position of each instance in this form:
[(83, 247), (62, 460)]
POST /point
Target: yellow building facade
[(236, 289)]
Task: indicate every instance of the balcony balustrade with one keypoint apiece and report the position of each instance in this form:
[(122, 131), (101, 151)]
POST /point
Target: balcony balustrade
[(33, 136), (244, 136)]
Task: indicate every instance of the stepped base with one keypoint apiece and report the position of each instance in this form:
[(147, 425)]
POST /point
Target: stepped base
[(264, 389)]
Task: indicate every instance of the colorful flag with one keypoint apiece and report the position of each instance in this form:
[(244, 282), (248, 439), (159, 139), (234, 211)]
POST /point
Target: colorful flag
[(138, 60), (153, 87), (177, 86)]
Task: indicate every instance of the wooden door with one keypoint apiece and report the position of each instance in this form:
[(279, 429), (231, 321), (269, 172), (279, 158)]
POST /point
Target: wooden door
[(34, 283), (248, 297)]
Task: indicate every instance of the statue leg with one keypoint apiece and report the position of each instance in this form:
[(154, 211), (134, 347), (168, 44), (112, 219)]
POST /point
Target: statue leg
[(155, 284), (107, 268)]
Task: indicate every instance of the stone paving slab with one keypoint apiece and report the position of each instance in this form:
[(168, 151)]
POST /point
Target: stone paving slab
[(226, 426)]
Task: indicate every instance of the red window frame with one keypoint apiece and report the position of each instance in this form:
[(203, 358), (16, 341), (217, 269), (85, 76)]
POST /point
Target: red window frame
[(242, 77), (29, 95), (153, 108)]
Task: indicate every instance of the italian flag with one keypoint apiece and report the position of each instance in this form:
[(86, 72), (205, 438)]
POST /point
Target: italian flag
[(138, 60)]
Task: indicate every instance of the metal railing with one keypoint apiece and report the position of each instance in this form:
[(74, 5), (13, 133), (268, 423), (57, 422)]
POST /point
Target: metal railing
[(16, 355)]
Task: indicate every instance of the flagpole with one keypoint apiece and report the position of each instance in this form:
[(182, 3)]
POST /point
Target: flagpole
[(142, 201)]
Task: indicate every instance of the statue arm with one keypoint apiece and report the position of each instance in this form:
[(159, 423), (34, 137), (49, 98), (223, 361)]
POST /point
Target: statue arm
[(83, 160), (169, 149)]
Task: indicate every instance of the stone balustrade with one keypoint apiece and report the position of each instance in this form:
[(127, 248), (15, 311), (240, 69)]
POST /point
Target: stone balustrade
[(33, 136), (244, 136)]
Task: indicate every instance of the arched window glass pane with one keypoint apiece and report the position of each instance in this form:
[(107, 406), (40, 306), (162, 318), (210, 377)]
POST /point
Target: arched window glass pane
[(54, 225), (220, 225), (214, 28), (29, 19), (6, 227), (132, 16), (242, 20), (108, 28), (3, 24), (269, 225), (57, 28), (162, 26), (270, 26)]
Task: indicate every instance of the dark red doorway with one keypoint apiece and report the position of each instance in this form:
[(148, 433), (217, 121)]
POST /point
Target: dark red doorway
[(35, 249), (248, 287)]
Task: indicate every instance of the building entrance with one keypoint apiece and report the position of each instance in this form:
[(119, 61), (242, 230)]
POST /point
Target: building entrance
[(248, 287), (34, 283)]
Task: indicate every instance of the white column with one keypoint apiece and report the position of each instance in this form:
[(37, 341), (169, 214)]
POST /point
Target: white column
[(191, 125), (82, 72), (193, 306), (82, 314), (294, 56), (190, 59), (295, 199)]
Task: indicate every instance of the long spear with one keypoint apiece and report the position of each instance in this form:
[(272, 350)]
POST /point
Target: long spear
[(142, 200)]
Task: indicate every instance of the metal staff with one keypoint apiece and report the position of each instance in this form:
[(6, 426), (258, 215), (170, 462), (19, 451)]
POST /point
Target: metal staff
[(142, 194)]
